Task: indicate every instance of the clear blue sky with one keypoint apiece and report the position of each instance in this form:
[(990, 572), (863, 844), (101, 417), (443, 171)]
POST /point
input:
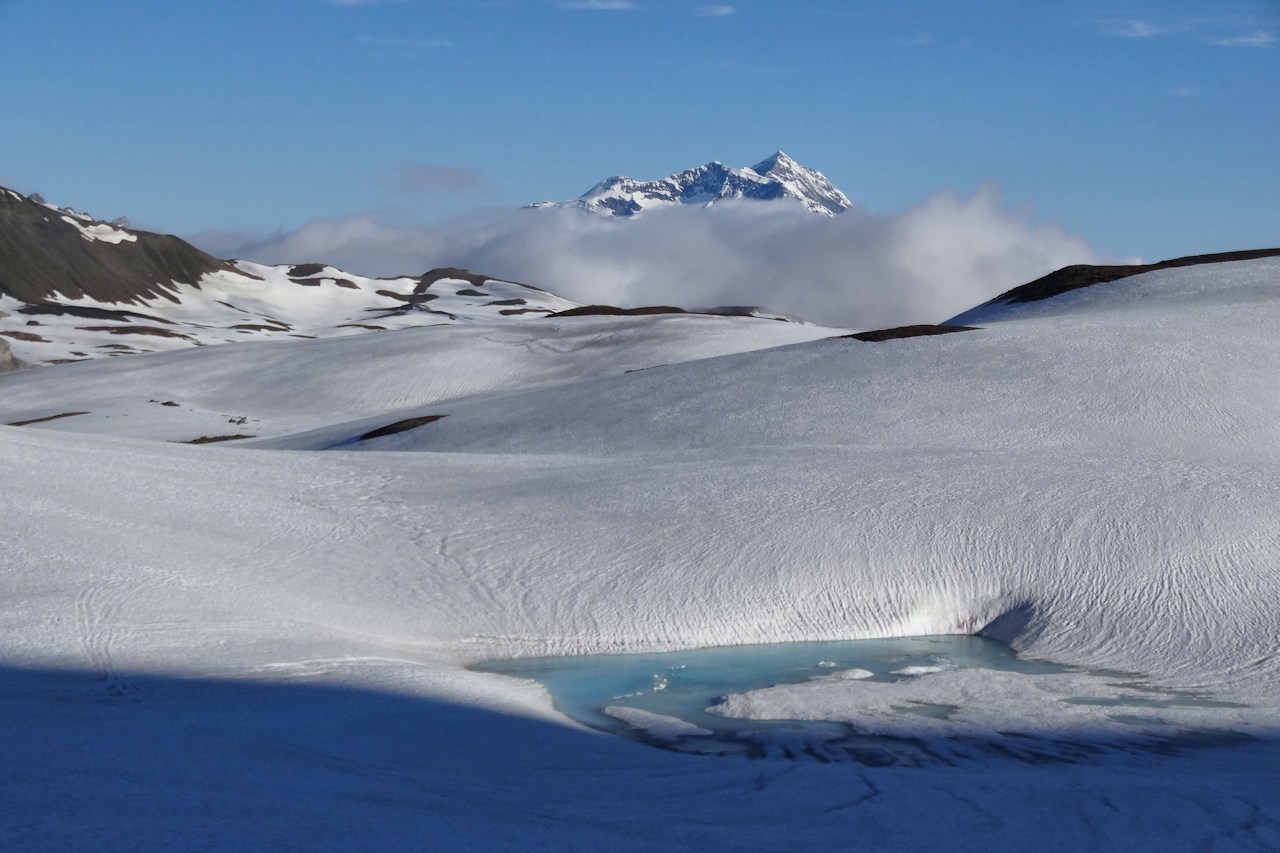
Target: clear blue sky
[(1150, 127)]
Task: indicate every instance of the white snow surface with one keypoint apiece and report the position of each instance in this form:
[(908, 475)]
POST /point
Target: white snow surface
[(100, 231), (978, 702), (260, 302), (249, 648), (286, 386)]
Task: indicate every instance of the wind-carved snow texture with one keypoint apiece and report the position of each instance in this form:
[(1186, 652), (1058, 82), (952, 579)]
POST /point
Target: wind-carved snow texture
[(268, 649), (777, 177), (965, 713)]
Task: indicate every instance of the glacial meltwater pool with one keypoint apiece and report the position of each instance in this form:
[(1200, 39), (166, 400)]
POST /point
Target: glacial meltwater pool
[(905, 700)]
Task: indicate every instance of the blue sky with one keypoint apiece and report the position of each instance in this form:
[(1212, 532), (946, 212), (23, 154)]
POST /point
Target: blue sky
[(1147, 128)]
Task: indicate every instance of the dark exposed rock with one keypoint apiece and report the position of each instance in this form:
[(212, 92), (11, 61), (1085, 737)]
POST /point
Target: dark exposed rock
[(613, 311), (441, 273), (261, 327), (400, 426), (136, 330), (42, 255), (90, 313), (214, 439), (1085, 275), (48, 418), (900, 332), (31, 337), (414, 298)]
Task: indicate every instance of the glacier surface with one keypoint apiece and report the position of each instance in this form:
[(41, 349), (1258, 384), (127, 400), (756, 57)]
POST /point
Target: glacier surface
[(231, 647)]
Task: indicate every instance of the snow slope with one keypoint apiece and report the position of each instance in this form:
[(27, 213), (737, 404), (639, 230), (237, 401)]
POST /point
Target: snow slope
[(240, 647), (271, 388), (254, 302), (73, 288)]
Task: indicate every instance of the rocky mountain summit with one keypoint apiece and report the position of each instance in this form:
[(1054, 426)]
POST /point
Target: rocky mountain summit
[(775, 178)]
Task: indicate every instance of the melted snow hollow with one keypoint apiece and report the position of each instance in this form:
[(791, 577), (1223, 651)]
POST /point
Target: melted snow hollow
[(1092, 479)]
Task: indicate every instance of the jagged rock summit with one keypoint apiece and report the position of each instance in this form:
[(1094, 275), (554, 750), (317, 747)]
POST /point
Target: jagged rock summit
[(774, 178)]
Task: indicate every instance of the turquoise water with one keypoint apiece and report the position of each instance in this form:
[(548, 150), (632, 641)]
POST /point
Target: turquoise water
[(683, 684)]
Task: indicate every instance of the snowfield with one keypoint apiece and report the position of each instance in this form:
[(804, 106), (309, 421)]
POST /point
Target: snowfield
[(265, 646)]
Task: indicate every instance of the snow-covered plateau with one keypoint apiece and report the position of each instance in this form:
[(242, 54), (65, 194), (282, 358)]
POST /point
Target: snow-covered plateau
[(264, 643)]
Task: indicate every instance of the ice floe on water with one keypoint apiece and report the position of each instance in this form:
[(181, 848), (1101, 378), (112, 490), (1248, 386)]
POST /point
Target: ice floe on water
[(659, 726), (970, 697)]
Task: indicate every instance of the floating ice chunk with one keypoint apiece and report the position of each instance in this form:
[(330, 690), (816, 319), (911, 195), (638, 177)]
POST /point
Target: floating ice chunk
[(985, 703), (922, 670), (657, 726)]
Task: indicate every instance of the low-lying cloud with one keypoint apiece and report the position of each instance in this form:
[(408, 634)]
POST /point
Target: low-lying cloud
[(923, 264)]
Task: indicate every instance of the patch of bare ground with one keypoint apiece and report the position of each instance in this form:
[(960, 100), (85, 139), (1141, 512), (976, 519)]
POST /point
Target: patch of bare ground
[(899, 332), (614, 311), (214, 439), (414, 298), (26, 336), (42, 420), (135, 330), (89, 313), (1085, 275), (401, 426)]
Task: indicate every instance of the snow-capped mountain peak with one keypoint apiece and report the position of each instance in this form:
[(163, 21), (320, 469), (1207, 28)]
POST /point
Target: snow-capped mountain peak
[(776, 177), (810, 185)]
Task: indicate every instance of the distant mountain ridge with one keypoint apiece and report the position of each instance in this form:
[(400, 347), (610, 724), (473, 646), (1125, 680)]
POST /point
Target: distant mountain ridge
[(75, 288), (774, 178)]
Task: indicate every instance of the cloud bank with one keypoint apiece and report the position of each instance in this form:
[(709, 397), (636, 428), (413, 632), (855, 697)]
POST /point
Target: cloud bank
[(924, 264)]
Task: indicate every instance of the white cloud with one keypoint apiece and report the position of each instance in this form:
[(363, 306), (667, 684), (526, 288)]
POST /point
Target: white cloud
[(713, 11), (1261, 38), (1133, 28), (921, 265), (600, 5)]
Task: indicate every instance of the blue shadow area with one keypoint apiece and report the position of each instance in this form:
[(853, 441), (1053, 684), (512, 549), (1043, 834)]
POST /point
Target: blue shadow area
[(148, 762)]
